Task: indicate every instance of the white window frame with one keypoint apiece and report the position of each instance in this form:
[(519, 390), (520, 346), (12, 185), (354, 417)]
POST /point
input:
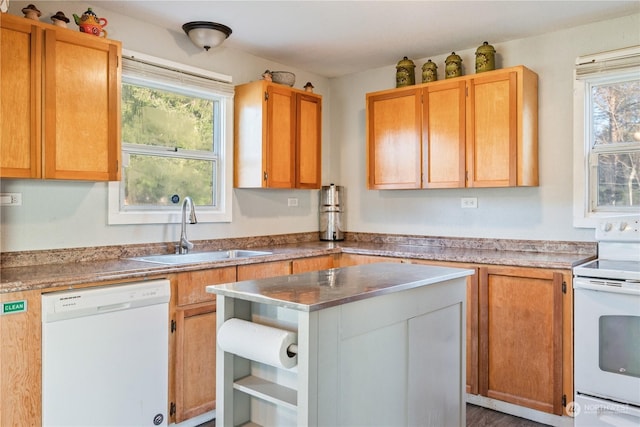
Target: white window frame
[(593, 69), (222, 212)]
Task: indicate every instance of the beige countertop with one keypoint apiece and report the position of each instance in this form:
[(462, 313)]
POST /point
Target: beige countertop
[(71, 267)]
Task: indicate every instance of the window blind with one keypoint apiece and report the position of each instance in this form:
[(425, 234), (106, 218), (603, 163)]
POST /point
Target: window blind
[(173, 73), (611, 61)]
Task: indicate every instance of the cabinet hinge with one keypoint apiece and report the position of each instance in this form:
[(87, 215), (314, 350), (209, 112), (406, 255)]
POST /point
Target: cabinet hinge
[(564, 287), (172, 409), (173, 326), (564, 400), (266, 96), (265, 176)]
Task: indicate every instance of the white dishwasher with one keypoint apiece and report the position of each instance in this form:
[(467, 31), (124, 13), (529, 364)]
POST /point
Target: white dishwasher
[(105, 356)]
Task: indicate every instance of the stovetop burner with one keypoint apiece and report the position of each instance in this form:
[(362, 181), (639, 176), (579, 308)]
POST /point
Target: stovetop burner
[(618, 250), (609, 269)]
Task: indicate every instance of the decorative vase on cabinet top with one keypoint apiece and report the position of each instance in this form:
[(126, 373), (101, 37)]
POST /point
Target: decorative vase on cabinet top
[(90, 23), (429, 72), (485, 58), (453, 66), (405, 73)]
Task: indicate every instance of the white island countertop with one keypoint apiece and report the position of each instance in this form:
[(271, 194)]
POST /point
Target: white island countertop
[(327, 288)]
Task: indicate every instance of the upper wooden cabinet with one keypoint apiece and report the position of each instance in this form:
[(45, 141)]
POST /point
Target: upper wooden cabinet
[(277, 137), (60, 103), (472, 131)]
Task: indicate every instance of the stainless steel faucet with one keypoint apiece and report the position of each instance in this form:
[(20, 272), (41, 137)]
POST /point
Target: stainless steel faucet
[(185, 245)]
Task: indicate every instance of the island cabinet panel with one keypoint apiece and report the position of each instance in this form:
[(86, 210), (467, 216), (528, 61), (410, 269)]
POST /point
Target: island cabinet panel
[(60, 103), (194, 341), (471, 131), (277, 137), (21, 361), (520, 338)]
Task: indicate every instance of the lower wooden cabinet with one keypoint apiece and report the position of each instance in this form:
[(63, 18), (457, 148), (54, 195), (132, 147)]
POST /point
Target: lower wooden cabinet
[(521, 336), (21, 362), (193, 379), (195, 361)]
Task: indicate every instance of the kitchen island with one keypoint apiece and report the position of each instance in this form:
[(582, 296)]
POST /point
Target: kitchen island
[(379, 344)]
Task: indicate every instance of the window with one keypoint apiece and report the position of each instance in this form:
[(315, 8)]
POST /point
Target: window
[(607, 135), (176, 142)]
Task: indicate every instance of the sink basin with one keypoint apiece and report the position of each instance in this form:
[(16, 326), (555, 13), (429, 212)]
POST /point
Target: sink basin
[(196, 257)]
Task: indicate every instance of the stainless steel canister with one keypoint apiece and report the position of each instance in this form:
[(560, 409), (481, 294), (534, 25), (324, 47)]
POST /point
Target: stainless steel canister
[(331, 209)]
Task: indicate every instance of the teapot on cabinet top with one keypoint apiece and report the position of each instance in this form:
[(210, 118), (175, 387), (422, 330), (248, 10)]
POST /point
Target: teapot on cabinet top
[(90, 23)]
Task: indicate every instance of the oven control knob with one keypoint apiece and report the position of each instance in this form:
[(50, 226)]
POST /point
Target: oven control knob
[(623, 226), (606, 226)]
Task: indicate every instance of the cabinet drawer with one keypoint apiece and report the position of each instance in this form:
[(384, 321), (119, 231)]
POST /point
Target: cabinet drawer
[(312, 264), (191, 286), (264, 270)]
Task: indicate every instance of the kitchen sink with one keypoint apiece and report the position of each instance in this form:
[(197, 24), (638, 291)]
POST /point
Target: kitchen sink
[(196, 257)]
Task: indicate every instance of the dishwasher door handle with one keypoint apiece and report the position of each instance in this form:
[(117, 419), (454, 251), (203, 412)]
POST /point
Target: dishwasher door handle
[(114, 307)]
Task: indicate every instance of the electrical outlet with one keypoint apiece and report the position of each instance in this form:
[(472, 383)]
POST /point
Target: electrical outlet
[(10, 199), (292, 201), (469, 202)]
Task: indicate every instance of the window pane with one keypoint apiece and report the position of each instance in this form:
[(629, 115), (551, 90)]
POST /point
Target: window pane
[(616, 113), (152, 180), (162, 118), (618, 180)]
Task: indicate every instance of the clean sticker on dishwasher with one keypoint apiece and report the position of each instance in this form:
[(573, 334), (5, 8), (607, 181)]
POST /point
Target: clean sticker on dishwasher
[(13, 307)]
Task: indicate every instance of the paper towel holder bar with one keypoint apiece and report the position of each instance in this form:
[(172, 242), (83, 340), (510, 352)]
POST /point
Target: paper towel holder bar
[(292, 350)]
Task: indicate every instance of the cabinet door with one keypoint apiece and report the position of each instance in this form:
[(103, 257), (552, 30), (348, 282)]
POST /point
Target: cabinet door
[(308, 141), (21, 362), (21, 100), (195, 360), (443, 134), (492, 131), (281, 133), (82, 114), (520, 339), (394, 122)]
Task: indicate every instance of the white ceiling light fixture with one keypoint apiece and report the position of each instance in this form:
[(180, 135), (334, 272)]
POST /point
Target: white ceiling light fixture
[(206, 34)]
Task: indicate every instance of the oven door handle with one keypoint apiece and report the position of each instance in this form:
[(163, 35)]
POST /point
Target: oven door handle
[(602, 286)]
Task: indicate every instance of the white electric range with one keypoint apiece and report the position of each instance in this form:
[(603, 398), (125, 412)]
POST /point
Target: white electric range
[(607, 328)]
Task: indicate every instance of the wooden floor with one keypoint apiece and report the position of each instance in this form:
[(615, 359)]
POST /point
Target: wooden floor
[(477, 416)]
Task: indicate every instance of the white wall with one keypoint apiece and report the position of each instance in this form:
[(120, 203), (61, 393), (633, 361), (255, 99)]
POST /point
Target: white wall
[(57, 214), (540, 213)]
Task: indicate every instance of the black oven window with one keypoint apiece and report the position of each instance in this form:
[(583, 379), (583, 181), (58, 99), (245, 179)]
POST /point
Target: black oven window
[(620, 345)]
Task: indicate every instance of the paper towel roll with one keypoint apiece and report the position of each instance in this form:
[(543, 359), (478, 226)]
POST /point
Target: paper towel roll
[(261, 343)]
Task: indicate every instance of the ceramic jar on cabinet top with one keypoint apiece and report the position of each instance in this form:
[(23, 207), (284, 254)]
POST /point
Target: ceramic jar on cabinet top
[(405, 73), (453, 66), (429, 72), (485, 58)]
